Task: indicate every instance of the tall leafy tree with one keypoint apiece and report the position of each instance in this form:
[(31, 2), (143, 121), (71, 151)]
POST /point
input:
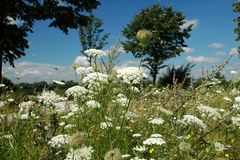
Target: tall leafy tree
[(91, 36), (63, 14), (168, 36), (236, 9)]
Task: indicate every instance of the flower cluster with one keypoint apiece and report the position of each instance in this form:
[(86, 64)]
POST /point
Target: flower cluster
[(94, 80), (94, 52), (155, 139), (49, 98), (84, 70), (59, 141), (131, 75), (76, 91), (207, 111), (192, 120), (84, 153), (156, 121)]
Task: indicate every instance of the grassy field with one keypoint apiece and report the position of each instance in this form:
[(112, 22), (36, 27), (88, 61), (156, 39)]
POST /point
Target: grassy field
[(115, 117)]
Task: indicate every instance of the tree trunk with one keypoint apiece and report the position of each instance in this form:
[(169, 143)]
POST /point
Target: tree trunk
[(154, 74), (1, 52), (1, 77)]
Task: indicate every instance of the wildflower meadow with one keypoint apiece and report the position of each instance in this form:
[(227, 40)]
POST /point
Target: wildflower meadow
[(115, 116)]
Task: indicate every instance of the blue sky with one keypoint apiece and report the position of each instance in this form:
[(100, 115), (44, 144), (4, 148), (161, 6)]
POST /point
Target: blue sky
[(212, 38)]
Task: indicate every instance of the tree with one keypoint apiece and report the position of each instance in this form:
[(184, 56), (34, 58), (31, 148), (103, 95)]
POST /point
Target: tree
[(180, 75), (91, 36), (168, 36), (63, 14), (236, 8)]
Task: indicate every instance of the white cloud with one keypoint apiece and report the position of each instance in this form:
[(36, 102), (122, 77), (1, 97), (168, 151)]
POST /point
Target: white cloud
[(187, 23), (35, 72), (81, 61), (220, 53), (188, 50), (233, 52), (201, 59), (216, 45)]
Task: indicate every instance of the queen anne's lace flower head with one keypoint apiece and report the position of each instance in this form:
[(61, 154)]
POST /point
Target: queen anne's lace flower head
[(155, 139), (156, 121), (76, 91), (94, 80), (84, 153), (131, 75), (94, 52), (59, 140), (192, 120), (207, 111), (49, 98), (84, 70), (93, 104)]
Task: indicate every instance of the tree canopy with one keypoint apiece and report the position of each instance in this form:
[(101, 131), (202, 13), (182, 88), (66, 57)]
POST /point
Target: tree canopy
[(17, 18), (236, 9), (167, 40)]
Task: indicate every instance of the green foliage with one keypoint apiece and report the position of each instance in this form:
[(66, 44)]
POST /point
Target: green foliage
[(180, 75), (168, 37), (236, 9), (91, 36), (13, 40)]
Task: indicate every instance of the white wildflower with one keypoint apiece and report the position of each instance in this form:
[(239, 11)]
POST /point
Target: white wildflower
[(76, 91), (227, 99), (155, 139), (136, 135), (69, 126), (237, 99), (192, 120), (24, 116), (59, 141), (2, 103), (93, 104), (157, 121), (94, 52), (94, 80), (236, 121), (234, 91), (122, 100), (49, 98), (207, 111), (26, 106), (140, 148), (219, 147), (131, 116), (131, 75), (2, 85), (137, 158), (84, 70), (125, 156), (10, 99), (105, 125), (84, 153)]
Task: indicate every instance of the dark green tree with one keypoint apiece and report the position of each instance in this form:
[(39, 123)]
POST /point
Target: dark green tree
[(91, 36), (168, 36), (180, 75), (236, 8), (63, 14)]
